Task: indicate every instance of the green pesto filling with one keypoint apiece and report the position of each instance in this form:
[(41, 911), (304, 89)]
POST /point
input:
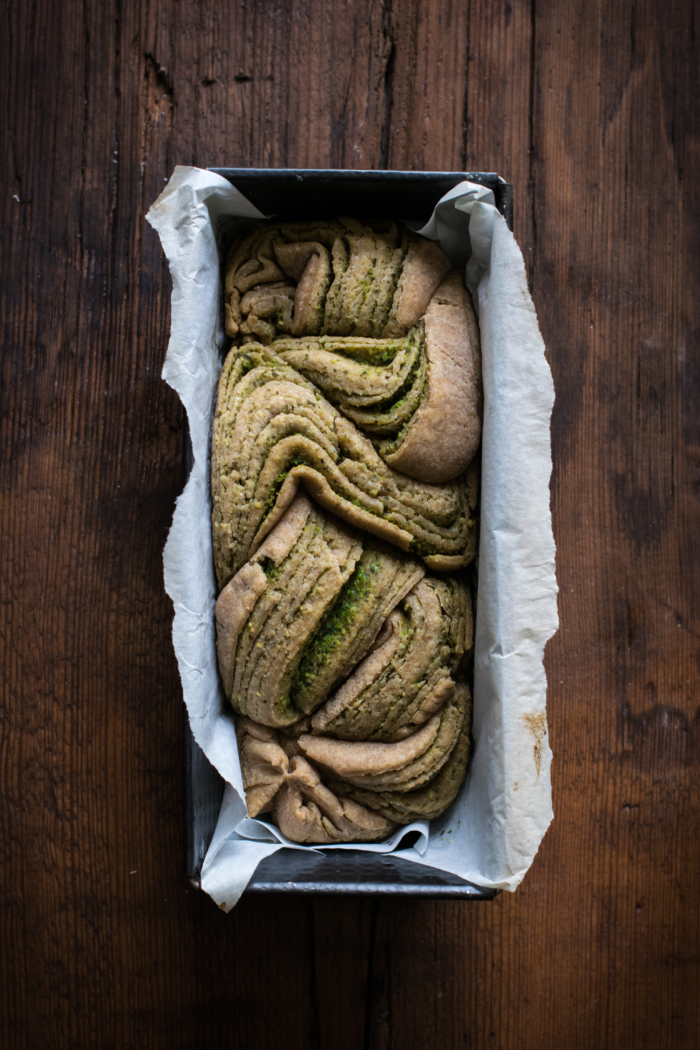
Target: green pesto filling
[(400, 395), (426, 547), (386, 445), (275, 489), (272, 571), (334, 626), (395, 402), (296, 461), (246, 362), (369, 355), (382, 353)]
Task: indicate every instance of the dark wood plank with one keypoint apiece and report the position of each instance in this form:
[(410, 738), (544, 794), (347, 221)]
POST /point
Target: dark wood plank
[(590, 110)]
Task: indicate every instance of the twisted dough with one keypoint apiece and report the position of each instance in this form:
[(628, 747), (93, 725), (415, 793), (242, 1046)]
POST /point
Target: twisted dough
[(347, 419), (361, 640)]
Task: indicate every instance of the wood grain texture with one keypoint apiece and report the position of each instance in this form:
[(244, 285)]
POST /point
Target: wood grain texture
[(590, 109)]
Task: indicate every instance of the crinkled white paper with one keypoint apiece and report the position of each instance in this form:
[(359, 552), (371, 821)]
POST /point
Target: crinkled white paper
[(491, 833)]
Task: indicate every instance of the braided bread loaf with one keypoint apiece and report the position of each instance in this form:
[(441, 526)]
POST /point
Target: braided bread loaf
[(343, 486)]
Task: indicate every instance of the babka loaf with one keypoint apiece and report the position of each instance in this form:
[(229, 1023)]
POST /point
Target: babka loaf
[(344, 489)]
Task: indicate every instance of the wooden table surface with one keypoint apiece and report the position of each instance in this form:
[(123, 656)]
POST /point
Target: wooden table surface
[(590, 109)]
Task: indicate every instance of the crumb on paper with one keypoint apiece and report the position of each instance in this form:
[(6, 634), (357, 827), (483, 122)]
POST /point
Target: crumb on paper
[(537, 724)]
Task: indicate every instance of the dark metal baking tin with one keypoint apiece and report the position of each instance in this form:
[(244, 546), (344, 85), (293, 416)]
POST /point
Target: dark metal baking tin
[(313, 194), (298, 193)]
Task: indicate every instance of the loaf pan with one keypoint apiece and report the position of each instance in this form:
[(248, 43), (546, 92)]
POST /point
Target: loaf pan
[(298, 194)]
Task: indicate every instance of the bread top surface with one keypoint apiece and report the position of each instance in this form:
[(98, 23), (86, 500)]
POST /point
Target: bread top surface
[(348, 417)]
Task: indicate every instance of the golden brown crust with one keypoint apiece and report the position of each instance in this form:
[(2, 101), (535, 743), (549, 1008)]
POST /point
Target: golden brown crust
[(307, 811), (233, 607), (424, 269), (443, 435), (359, 758)]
